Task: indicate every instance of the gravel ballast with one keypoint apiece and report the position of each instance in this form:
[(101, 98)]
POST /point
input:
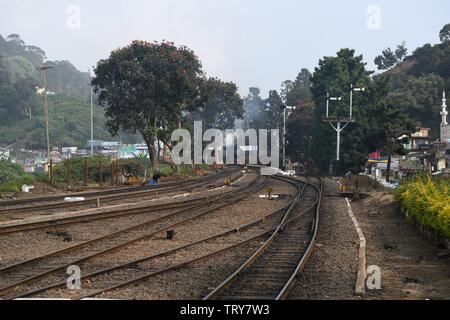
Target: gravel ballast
[(330, 272)]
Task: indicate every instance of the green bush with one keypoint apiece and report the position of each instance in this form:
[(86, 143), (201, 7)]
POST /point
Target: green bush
[(427, 200), (12, 177), (10, 186), (9, 171), (40, 176), (135, 167), (77, 170)]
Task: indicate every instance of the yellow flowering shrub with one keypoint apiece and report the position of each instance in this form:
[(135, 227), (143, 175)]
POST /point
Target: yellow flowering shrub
[(427, 200)]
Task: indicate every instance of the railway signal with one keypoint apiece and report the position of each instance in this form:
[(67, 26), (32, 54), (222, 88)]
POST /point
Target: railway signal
[(341, 122)]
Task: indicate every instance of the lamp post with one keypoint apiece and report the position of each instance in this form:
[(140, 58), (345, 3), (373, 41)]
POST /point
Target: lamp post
[(44, 69), (392, 140)]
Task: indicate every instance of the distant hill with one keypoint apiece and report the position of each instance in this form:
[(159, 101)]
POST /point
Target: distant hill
[(69, 123), (22, 109), (22, 61), (418, 82)]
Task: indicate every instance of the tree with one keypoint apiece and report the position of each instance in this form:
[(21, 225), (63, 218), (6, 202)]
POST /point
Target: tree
[(389, 58), (301, 88), (444, 34), (401, 52), (386, 60), (299, 134), (219, 104), (17, 99), (379, 116), (37, 51), (25, 96), (286, 87), (420, 99), (254, 109), (4, 90), (298, 124), (273, 112), (15, 38), (386, 114), (388, 120), (335, 75), (146, 86)]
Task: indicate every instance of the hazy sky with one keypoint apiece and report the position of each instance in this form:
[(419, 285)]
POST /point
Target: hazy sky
[(250, 42)]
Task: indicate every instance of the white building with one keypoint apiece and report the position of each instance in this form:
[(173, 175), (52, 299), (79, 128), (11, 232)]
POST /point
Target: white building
[(4, 154)]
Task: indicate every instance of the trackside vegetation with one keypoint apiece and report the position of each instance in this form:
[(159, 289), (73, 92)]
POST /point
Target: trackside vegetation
[(12, 177), (427, 200)]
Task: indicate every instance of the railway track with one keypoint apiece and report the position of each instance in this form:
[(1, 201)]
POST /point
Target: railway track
[(57, 202), (96, 282), (270, 271), (15, 277), (114, 213)]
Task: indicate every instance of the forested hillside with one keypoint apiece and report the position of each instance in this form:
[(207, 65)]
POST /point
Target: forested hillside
[(22, 60), (22, 109)]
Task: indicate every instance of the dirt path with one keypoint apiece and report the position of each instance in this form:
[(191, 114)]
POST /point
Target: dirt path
[(411, 267)]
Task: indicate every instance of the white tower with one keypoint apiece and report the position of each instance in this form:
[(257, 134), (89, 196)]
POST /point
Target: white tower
[(444, 112), (445, 127)]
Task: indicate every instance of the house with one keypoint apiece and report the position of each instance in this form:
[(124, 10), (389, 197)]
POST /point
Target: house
[(68, 152), (4, 153), (424, 154)]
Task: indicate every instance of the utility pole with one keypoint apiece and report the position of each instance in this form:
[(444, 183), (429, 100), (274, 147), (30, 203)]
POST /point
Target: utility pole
[(44, 69), (390, 151), (392, 138), (92, 124)]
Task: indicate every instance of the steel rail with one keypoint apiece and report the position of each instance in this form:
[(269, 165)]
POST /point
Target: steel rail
[(112, 196), (143, 237), (165, 253), (183, 264), (284, 292), (233, 277), (63, 221), (188, 262), (92, 193)]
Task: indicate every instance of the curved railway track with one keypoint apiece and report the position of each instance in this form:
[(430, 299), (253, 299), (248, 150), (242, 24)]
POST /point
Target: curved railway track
[(252, 230), (289, 234), (15, 276), (270, 271), (57, 202)]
